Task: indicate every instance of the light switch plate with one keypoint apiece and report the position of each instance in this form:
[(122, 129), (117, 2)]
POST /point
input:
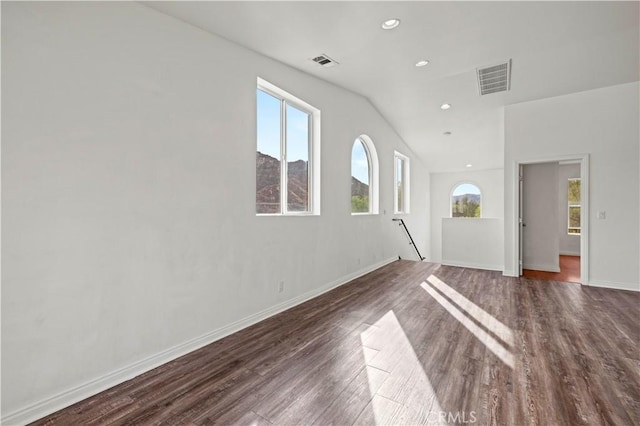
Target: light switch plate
[(601, 215)]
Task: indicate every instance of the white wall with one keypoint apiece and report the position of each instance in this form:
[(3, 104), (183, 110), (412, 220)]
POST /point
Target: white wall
[(569, 243), (541, 243), (128, 196), (473, 242), (604, 124), (491, 184)]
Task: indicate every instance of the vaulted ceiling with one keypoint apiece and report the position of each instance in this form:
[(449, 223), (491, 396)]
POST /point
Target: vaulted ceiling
[(556, 48)]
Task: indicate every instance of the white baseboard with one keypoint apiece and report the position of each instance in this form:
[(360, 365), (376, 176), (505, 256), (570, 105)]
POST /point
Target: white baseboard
[(546, 268), (75, 394), (472, 265), (615, 285), (569, 253), (510, 273)]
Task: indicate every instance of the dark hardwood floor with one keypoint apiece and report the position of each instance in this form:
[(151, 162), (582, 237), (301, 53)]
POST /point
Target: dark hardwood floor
[(410, 343)]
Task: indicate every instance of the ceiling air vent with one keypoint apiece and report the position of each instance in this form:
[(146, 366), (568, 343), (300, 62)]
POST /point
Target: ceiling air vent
[(324, 60), (495, 78)]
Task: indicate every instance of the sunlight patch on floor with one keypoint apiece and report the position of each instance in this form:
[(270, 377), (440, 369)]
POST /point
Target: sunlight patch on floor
[(479, 314), (492, 344), (397, 356)]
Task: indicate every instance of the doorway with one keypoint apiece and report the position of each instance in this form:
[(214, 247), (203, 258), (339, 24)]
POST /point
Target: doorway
[(552, 219)]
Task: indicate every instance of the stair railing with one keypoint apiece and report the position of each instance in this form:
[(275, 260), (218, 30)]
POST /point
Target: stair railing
[(411, 242)]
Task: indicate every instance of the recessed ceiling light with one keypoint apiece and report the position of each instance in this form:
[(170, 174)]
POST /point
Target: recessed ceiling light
[(445, 106), (446, 133), (469, 165), (390, 24), (422, 63)]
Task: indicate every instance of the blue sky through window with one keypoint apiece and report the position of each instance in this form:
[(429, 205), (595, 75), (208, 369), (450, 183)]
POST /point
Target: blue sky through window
[(268, 124), (297, 134), (268, 129), (359, 163), (466, 188)]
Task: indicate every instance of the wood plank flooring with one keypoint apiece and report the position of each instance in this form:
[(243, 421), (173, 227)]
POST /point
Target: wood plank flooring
[(410, 343), (569, 271)]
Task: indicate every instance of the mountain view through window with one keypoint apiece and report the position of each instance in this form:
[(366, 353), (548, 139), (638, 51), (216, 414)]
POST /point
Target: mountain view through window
[(277, 146), (466, 201)]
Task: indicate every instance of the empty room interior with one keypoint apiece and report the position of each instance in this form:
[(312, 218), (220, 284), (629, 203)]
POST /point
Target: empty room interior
[(297, 213)]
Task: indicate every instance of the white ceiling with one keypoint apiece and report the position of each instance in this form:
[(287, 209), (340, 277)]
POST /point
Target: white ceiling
[(556, 47)]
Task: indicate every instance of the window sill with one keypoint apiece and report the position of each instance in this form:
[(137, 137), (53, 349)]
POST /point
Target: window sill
[(286, 214)]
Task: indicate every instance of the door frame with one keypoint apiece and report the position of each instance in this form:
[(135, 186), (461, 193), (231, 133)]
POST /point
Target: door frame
[(583, 159)]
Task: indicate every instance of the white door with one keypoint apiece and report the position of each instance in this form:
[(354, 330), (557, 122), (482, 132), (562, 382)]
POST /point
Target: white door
[(540, 217)]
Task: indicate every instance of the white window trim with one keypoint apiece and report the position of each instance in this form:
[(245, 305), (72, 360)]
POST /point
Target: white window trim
[(455, 186), (406, 184), (374, 175), (314, 151), (569, 205)]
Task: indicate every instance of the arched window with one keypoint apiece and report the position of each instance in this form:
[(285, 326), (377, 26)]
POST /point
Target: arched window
[(466, 201), (364, 177)]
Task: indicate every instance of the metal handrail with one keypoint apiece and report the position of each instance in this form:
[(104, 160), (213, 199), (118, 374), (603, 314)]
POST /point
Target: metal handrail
[(411, 242)]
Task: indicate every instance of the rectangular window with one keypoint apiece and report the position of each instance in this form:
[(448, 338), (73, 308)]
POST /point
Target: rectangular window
[(288, 153), (574, 207), (401, 185)]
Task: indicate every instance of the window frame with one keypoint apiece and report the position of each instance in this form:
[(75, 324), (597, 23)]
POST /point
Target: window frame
[(372, 158), (406, 184), (573, 204), (313, 165), (455, 186)]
